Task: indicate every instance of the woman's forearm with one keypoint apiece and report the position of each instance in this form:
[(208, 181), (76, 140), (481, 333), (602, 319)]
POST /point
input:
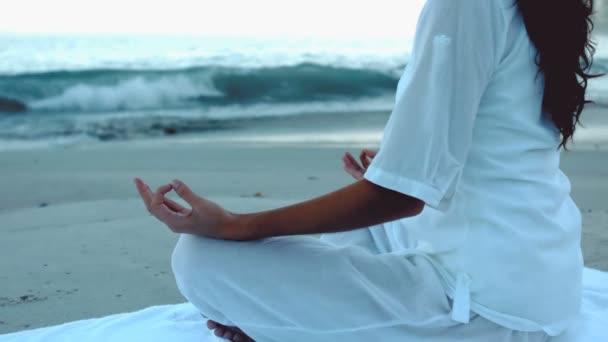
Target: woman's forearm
[(358, 205)]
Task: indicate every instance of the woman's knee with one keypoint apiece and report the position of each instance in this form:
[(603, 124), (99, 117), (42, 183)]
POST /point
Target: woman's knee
[(191, 257), (178, 258)]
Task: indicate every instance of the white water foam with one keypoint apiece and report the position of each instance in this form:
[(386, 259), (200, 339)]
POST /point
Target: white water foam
[(130, 94)]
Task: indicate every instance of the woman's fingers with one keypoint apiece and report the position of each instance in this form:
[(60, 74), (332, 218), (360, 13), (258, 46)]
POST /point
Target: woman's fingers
[(177, 222), (161, 211), (370, 153), (148, 188), (144, 192), (178, 208), (365, 156), (352, 167), (352, 162), (363, 159), (184, 192), (159, 195), (174, 215), (355, 174)]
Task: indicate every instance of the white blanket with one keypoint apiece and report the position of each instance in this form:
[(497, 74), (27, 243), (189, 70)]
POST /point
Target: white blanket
[(182, 322)]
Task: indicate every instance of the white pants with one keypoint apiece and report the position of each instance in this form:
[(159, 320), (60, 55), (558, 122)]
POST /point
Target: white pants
[(342, 287)]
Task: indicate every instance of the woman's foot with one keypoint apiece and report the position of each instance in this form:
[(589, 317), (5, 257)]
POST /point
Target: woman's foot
[(228, 332)]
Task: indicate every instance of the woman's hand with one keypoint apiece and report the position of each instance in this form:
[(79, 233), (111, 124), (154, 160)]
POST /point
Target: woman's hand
[(352, 166), (204, 218)]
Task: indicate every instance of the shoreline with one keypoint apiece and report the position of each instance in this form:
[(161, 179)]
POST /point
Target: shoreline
[(318, 129)]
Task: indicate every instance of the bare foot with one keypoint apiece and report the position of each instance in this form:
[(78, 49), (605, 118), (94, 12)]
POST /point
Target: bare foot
[(228, 332)]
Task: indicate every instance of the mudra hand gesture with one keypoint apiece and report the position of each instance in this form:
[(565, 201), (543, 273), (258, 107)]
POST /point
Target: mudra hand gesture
[(352, 166), (204, 218)]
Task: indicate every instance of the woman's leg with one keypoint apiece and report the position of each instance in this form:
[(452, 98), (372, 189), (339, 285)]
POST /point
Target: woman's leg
[(299, 288), (373, 238)]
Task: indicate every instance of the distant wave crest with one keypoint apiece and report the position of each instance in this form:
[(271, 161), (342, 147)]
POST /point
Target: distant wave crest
[(117, 90), (106, 90), (130, 93)]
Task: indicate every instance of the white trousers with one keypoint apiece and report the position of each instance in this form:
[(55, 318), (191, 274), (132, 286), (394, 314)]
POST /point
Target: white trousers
[(342, 287)]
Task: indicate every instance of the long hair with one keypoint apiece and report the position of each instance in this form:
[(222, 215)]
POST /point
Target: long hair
[(561, 32)]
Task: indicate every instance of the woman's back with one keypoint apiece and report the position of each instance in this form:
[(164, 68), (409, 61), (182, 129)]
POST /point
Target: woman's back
[(511, 231), (520, 215)]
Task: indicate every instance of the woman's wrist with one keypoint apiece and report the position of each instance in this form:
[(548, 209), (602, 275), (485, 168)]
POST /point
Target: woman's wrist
[(237, 227)]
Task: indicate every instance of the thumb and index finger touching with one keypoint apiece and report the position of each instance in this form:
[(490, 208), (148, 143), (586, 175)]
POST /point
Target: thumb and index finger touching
[(157, 198), (163, 208), (365, 156), (184, 192)]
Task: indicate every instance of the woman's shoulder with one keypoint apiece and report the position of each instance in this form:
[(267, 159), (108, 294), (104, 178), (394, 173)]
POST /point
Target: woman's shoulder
[(473, 11), (472, 3)]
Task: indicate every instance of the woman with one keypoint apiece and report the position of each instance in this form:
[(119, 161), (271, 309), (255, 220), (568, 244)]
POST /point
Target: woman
[(461, 228)]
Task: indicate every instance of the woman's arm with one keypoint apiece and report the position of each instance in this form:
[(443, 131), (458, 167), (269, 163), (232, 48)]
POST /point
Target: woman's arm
[(358, 205)]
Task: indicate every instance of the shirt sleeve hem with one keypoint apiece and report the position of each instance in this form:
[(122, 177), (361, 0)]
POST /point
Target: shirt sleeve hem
[(429, 195)]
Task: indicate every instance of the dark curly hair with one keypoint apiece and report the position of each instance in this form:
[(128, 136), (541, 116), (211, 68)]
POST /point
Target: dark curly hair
[(561, 32)]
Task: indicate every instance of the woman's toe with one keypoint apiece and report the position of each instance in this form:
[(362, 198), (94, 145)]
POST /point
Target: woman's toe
[(229, 334)]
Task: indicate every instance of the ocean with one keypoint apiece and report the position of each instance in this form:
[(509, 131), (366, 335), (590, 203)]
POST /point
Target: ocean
[(70, 89)]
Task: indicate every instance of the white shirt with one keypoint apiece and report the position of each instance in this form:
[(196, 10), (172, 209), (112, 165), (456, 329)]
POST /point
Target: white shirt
[(468, 137)]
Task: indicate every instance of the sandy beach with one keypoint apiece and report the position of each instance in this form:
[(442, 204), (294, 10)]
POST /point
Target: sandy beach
[(77, 242)]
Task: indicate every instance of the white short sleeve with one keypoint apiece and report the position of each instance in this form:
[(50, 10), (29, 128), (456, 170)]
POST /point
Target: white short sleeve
[(427, 137)]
